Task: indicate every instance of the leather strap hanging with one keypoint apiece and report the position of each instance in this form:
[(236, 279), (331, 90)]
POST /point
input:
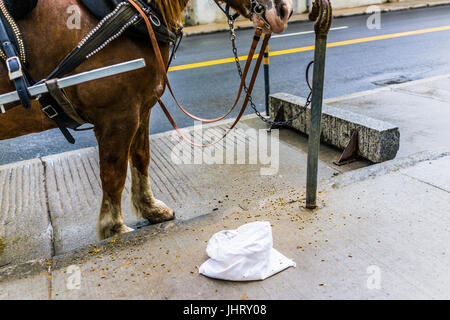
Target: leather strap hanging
[(241, 113), (13, 60), (161, 64), (60, 97), (226, 10)]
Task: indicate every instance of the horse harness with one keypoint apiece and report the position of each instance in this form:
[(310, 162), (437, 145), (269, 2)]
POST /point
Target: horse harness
[(117, 16), (136, 18), (257, 9)]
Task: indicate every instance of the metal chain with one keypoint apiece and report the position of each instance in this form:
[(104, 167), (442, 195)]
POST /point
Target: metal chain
[(252, 104)]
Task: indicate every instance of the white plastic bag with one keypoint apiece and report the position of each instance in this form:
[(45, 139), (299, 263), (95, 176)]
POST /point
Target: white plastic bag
[(244, 254)]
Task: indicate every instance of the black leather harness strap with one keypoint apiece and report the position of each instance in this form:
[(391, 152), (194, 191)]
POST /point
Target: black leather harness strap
[(14, 65), (20, 8), (101, 8), (107, 30), (226, 10), (51, 108), (60, 97), (110, 28)]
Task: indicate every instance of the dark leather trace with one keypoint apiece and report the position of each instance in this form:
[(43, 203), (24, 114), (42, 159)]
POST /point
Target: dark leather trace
[(101, 8), (21, 8)]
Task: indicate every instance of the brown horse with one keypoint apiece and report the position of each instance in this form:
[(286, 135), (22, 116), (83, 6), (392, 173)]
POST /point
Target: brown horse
[(119, 107)]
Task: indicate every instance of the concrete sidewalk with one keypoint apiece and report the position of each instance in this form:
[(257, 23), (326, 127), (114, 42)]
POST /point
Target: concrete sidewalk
[(390, 221), (393, 216), (385, 7)]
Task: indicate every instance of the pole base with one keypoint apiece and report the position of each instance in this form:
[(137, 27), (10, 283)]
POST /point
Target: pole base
[(311, 206)]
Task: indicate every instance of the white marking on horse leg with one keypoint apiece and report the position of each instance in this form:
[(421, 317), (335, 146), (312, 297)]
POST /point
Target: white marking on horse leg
[(141, 195), (143, 203), (110, 221)]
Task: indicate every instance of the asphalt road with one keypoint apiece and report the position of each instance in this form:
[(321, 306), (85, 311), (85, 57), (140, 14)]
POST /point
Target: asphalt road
[(351, 67)]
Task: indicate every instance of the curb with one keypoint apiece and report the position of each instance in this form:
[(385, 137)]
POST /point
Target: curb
[(301, 18), (391, 87), (384, 168)]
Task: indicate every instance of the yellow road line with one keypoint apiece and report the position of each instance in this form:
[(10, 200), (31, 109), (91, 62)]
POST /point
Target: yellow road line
[(310, 48)]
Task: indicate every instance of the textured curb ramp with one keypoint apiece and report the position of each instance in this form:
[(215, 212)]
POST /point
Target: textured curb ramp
[(49, 206)]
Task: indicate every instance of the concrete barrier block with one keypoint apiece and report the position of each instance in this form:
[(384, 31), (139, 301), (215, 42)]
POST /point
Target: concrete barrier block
[(379, 141)]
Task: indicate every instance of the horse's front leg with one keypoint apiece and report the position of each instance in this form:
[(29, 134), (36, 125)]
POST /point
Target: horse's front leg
[(143, 203), (114, 140)]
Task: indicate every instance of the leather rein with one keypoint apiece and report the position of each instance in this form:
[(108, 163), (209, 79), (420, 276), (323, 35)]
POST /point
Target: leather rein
[(259, 11)]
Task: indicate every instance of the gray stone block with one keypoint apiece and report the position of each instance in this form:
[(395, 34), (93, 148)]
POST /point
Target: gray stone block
[(379, 141)]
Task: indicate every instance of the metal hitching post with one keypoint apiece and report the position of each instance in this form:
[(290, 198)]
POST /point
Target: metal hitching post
[(322, 14), (267, 78)]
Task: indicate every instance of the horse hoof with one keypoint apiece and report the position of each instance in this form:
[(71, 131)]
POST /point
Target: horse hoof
[(108, 232), (126, 229), (158, 212)]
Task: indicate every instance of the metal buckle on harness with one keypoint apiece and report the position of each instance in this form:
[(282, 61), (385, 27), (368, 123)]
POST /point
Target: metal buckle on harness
[(152, 16), (155, 20), (259, 9), (13, 75), (49, 114)]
